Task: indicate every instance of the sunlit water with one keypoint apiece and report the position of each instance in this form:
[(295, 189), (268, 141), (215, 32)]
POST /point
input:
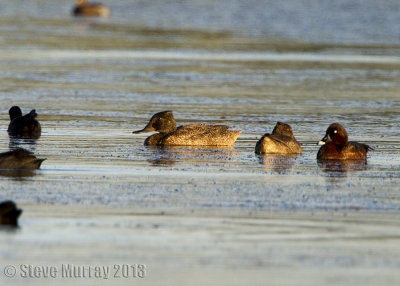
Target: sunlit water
[(93, 82)]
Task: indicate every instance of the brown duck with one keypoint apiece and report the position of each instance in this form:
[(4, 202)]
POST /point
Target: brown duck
[(336, 145), (281, 141), (85, 9), (19, 159), (187, 135)]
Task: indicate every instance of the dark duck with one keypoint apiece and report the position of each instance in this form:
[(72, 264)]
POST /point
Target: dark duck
[(23, 126), (9, 213)]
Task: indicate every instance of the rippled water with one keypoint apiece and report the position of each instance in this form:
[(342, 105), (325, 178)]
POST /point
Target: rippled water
[(94, 81)]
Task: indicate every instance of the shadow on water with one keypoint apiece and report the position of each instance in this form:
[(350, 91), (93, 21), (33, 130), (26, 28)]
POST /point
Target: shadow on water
[(277, 163)]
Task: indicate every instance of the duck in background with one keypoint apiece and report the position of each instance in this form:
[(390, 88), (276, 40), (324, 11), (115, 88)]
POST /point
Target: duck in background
[(187, 135), (281, 141), (19, 159), (337, 147), (9, 213), (23, 126), (85, 9)]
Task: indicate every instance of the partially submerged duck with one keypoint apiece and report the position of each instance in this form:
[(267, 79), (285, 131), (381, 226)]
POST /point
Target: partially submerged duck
[(23, 126), (337, 147), (187, 135), (281, 141), (85, 9), (9, 213), (19, 159)]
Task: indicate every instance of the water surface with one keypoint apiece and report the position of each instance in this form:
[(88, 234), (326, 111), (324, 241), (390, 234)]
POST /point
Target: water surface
[(216, 214)]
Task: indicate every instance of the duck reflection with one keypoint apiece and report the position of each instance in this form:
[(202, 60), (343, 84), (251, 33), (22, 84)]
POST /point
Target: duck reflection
[(160, 156), (340, 168), (168, 156), (18, 175), (278, 163), (17, 143)]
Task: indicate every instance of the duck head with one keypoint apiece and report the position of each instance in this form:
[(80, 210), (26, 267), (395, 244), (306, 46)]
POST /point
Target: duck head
[(283, 129), (336, 134), (15, 112), (162, 122)]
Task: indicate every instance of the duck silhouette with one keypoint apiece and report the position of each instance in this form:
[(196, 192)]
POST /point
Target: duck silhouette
[(23, 126), (337, 147), (9, 213), (187, 135), (281, 141), (84, 8), (19, 159)]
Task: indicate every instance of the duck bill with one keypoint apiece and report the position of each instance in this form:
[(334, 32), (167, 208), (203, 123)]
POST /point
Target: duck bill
[(324, 140), (148, 128)]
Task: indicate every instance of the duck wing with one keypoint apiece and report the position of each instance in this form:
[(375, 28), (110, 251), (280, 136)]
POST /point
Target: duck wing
[(201, 135), (355, 150)]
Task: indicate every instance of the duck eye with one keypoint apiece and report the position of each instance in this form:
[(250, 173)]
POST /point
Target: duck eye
[(335, 131)]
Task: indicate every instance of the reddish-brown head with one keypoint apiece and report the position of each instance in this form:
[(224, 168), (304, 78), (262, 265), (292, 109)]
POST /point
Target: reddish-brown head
[(336, 134)]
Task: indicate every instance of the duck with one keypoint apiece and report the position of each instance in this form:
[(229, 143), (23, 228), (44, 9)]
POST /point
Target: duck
[(9, 213), (335, 145), (186, 135), (85, 9), (19, 159), (281, 141), (23, 126)]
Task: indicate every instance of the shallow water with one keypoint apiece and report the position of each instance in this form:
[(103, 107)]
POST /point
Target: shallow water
[(202, 212)]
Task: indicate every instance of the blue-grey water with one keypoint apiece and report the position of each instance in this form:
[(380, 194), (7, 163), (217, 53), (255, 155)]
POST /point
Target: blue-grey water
[(212, 216)]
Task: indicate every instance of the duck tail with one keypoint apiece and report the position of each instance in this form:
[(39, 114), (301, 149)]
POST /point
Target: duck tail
[(33, 114), (39, 162)]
